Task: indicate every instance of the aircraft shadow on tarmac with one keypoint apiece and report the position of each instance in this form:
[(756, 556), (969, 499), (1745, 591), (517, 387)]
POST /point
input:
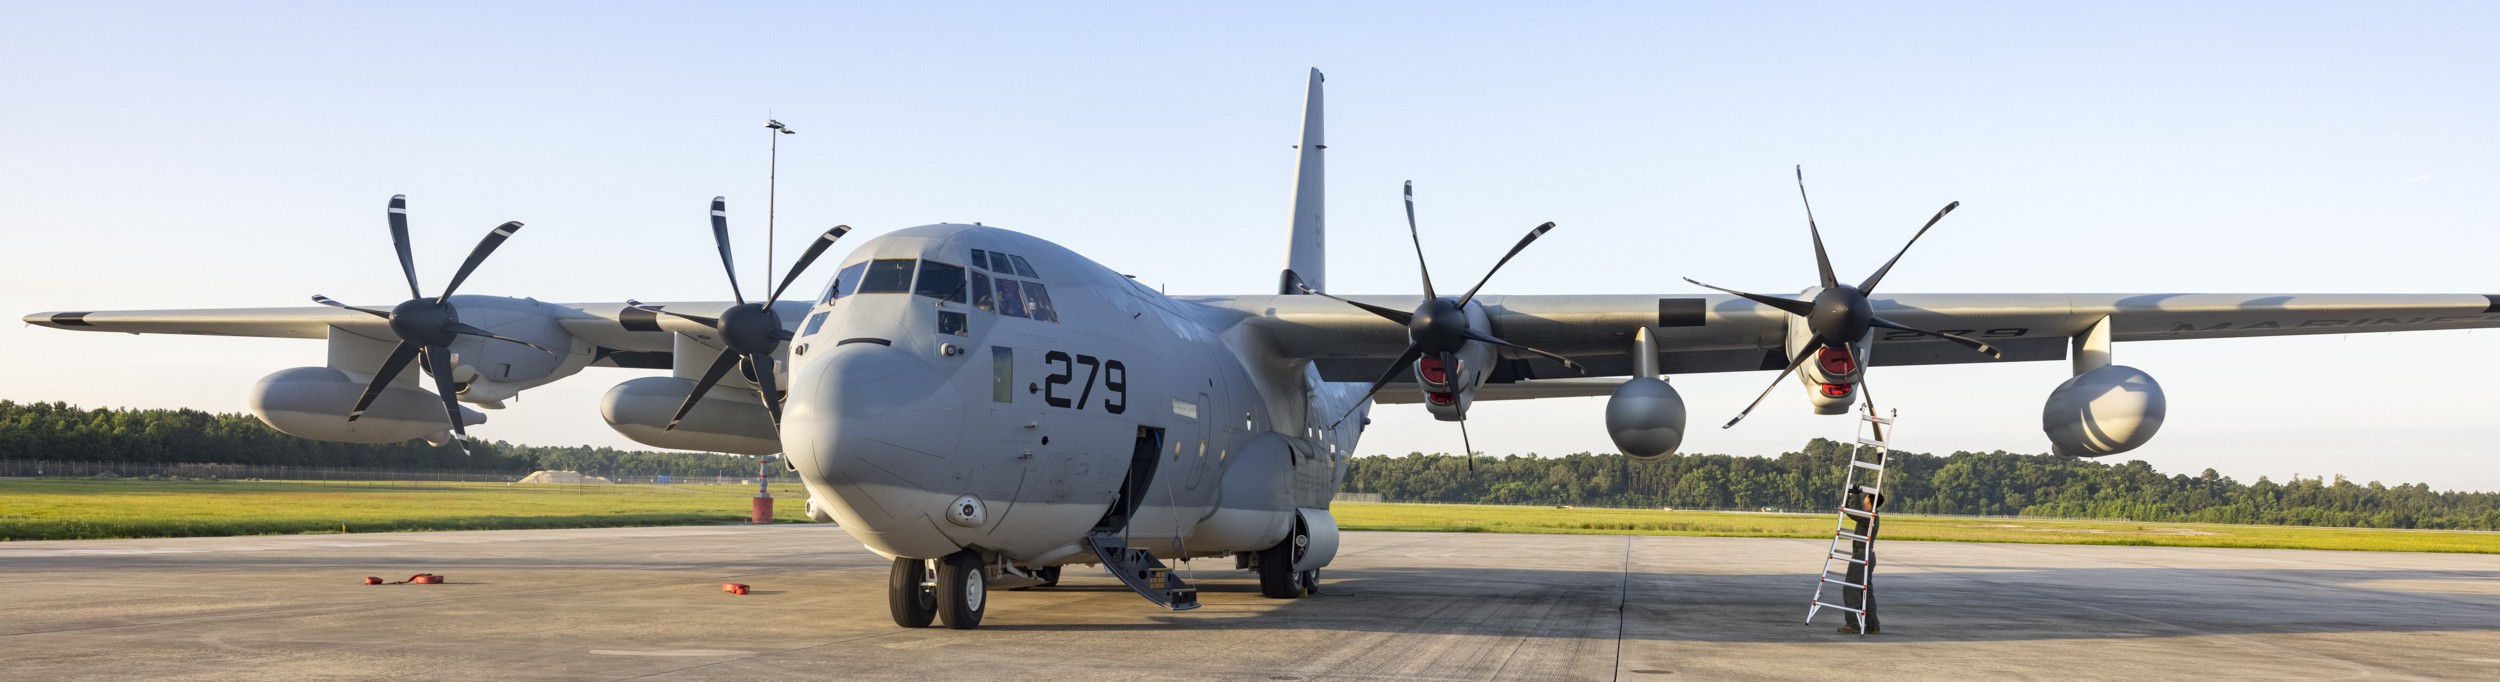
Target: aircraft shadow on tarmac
[(1933, 604)]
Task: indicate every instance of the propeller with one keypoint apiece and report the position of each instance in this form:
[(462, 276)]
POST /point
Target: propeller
[(1840, 315), (1438, 326), (751, 331), (427, 326)]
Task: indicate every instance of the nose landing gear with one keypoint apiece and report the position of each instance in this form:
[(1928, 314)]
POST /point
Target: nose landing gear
[(954, 593)]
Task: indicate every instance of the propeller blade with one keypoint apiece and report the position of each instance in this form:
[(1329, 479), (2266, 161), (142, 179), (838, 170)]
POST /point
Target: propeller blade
[(325, 300), (1822, 260), (1878, 277), (399, 242), (438, 359), (1404, 363), (1401, 317), (720, 366), (1418, 236), (1966, 342), (720, 236), (391, 367), (1788, 305), (762, 365), (485, 247), (1497, 265), (457, 327), (1473, 335), (1469, 443), (813, 250), (698, 319), (1812, 347)]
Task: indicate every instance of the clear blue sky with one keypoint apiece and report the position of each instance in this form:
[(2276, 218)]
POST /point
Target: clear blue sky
[(209, 155)]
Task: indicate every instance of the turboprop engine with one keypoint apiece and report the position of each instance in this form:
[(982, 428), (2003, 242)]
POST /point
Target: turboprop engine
[(2103, 411), (312, 402), (1645, 417)]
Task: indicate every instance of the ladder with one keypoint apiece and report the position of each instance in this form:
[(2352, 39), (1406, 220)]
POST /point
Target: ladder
[(1873, 431)]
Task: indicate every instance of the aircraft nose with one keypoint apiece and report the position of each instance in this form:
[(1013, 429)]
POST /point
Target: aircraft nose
[(873, 430)]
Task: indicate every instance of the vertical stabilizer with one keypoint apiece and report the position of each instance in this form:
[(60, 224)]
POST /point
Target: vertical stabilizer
[(1306, 254)]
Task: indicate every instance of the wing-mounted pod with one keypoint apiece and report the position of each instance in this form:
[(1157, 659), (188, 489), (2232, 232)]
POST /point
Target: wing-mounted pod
[(312, 402), (1645, 416), (2106, 408)]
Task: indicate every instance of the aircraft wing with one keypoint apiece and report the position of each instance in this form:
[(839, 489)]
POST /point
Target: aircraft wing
[(620, 335), (1719, 333)]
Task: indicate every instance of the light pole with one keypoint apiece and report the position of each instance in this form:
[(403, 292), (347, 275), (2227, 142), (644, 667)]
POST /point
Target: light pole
[(772, 183)]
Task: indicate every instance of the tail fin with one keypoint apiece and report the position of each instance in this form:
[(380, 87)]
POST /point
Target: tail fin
[(1306, 254)]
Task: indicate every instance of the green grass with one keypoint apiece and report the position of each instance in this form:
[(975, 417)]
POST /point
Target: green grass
[(1509, 519), (74, 509)]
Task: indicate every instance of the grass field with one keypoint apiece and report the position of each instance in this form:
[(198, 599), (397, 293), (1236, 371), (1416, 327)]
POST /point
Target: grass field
[(1505, 519), (67, 509), (71, 509)]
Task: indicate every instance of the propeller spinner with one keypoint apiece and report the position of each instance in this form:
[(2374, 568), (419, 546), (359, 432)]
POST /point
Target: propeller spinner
[(751, 331), (427, 326), (1438, 327), (1840, 316)]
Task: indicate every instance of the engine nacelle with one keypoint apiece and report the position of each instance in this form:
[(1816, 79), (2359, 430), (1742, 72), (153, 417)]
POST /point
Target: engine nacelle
[(726, 420), (1645, 417), (2105, 411), (312, 402)]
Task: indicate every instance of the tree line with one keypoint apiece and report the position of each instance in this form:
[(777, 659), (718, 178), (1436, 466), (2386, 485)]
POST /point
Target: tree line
[(1968, 483), (59, 431)]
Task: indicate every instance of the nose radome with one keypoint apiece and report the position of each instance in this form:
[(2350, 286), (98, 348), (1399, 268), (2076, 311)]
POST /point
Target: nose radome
[(875, 430)]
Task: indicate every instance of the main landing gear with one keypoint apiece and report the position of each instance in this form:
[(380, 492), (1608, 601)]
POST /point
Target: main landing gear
[(1277, 579), (954, 592)]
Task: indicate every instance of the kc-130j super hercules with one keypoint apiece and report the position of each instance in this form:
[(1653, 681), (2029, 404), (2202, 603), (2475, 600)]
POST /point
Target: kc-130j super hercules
[(984, 406)]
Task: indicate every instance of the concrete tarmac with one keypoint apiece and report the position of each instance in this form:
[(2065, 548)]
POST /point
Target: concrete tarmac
[(612, 604)]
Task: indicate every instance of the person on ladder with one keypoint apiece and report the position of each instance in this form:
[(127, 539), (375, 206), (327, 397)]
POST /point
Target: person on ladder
[(1862, 571)]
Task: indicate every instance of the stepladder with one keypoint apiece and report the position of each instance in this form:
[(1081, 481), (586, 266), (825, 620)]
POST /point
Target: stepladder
[(1847, 583)]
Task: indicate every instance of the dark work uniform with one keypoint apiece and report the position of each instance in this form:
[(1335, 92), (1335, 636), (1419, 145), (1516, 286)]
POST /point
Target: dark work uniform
[(1862, 574)]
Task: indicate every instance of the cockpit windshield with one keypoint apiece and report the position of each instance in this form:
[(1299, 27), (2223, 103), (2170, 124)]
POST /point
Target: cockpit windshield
[(942, 281)]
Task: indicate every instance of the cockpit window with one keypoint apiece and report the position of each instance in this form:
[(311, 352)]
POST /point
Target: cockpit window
[(1011, 298), (1037, 298), (887, 276), (1023, 269), (942, 281), (848, 282), (982, 296), (980, 259)]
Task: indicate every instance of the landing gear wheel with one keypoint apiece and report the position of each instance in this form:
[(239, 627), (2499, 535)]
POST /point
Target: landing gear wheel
[(1049, 576), (907, 594), (962, 590), (1277, 579), (1310, 582)]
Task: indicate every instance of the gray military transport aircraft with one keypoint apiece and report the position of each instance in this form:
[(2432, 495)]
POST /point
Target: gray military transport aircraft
[(983, 406)]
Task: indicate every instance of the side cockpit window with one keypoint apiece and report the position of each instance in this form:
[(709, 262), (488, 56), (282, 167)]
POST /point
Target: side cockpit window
[(1018, 297), (1037, 300), (1011, 298), (982, 296), (1023, 269)]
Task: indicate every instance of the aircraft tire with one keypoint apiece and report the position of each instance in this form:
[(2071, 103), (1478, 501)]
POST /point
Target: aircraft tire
[(1310, 582), (912, 604), (962, 590), (1049, 576), (1277, 579)]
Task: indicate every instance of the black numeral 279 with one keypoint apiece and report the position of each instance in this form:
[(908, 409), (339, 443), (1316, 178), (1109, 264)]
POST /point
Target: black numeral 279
[(1114, 378)]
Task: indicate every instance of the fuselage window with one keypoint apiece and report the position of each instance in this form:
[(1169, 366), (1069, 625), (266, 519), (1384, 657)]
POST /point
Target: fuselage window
[(848, 282), (887, 276), (1037, 298), (815, 323), (1023, 269), (980, 259), (1011, 298), (951, 323), (982, 296), (942, 281)]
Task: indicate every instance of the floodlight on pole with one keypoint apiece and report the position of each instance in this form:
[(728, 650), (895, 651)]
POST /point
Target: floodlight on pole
[(772, 183)]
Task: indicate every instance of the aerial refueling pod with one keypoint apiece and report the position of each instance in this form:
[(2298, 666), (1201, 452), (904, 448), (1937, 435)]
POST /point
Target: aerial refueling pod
[(312, 402), (2103, 411), (1645, 417), (725, 420)]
